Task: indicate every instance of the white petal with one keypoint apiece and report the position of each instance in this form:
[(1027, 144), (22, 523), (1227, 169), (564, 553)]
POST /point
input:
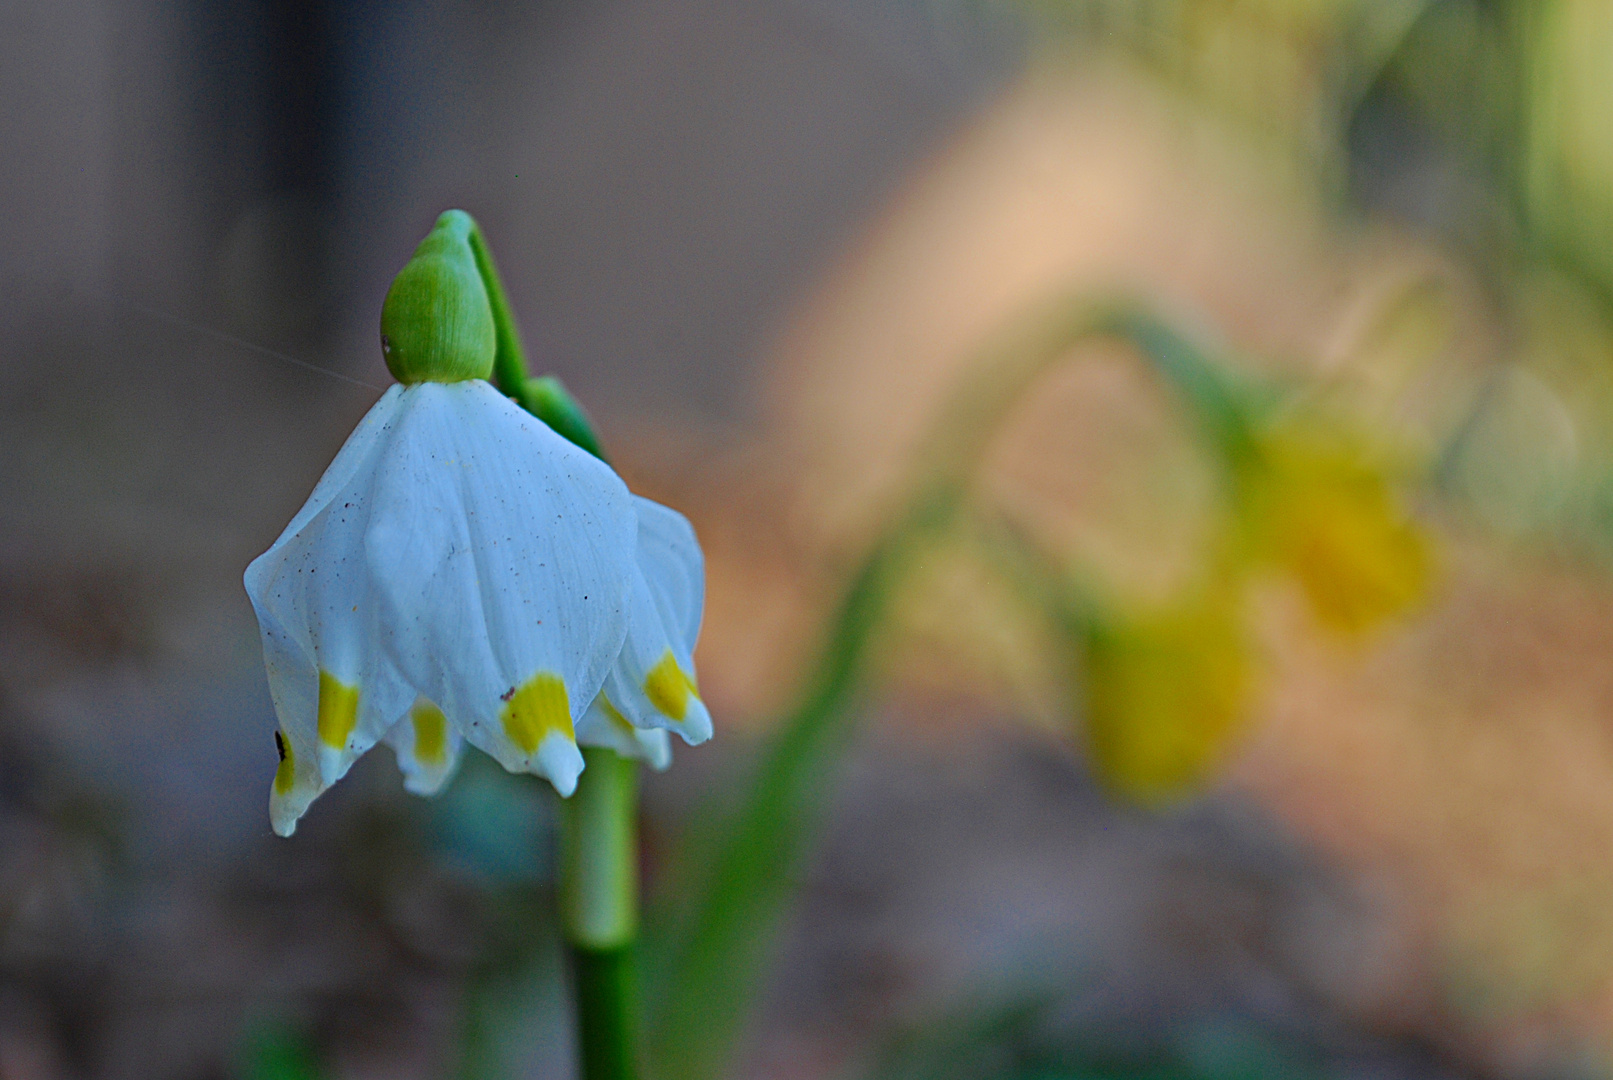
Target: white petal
[(319, 624), (427, 747), (293, 686), (559, 760), (604, 725), (669, 554), (653, 681), (502, 554)]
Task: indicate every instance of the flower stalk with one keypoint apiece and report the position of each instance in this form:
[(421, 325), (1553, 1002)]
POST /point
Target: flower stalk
[(599, 912), (599, 887)]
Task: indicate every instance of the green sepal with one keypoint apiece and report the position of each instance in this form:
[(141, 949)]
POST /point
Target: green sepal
[(436, 323), (548, 400)]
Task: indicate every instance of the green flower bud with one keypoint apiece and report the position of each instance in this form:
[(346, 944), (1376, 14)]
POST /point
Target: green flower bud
[(436, 324)]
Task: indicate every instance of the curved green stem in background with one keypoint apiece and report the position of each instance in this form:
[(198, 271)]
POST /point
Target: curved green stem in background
[(599, 862), (737, 880), (704, 984)]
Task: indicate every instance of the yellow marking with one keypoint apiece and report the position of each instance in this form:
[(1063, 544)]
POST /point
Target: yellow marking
[(338, 710), (285, 775), (669, 687), (614, 715), (430, 734), (536, 708)]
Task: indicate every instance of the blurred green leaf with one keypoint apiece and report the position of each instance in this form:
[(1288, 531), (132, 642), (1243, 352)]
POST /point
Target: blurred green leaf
[(277, 1050), (702, 960)]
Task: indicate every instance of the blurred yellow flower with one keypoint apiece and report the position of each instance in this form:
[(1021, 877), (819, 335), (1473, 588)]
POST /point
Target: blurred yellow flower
[(1167, 689), (1317, 505), (1165, 694)]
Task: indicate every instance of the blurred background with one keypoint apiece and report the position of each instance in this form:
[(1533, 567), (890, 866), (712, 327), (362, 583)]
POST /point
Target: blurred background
[(766, 243)]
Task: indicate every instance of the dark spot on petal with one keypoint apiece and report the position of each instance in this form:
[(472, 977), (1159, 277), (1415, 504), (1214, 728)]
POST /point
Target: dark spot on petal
[(507, 695), (280, 745)]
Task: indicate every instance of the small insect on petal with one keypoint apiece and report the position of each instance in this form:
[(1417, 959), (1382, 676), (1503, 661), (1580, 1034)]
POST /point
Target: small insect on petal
[(285, 774)]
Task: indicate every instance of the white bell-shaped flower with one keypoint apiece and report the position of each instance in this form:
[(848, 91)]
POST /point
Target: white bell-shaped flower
[(460, 568), (462, 573)]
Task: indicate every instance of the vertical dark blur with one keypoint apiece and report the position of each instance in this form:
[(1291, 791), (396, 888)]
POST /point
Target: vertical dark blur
[(269, 82)]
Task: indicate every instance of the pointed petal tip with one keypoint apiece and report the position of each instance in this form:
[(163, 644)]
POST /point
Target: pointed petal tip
[(424, 786), (283, 819), (695, 728), (333, 763), (559, 760), (655, 749), (286, 808)]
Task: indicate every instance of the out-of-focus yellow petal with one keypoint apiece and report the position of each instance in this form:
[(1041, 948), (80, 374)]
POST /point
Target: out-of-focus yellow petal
[(1320, 510), (1165, 694)]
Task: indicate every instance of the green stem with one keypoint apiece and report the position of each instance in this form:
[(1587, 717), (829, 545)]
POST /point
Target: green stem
[(599, 858), (607, 1017), (734, 889), (599, 911), (599, 862)]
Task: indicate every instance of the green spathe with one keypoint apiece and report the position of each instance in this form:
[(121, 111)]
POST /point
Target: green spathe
[(436, 323)]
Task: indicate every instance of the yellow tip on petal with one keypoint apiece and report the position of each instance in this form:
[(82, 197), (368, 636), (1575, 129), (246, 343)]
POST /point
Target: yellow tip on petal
[(430, 734), (338, 710), (538, 707), (669, 687), (285, 775)]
